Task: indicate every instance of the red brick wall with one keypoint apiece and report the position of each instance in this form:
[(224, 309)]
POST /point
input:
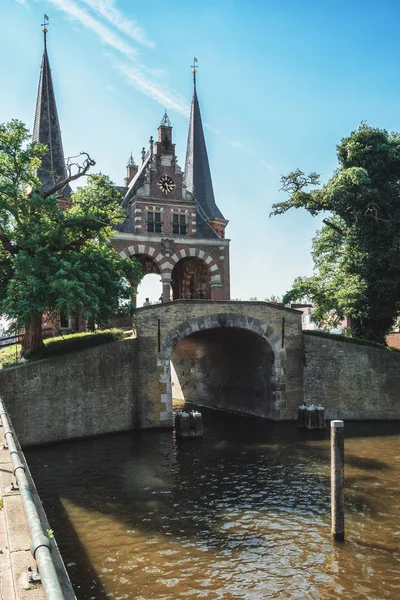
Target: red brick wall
[(139, 213), (393, 339)]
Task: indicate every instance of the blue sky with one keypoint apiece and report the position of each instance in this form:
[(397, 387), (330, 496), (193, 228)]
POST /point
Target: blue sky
[(279, 84)]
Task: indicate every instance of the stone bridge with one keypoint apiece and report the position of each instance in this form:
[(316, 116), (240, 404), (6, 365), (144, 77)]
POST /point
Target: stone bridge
[(245, 357)]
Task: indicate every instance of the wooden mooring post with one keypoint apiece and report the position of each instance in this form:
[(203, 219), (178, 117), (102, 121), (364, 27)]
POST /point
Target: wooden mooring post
[(337, 479), (188, 424)]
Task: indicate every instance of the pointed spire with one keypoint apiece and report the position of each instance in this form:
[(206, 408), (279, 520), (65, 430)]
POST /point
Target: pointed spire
[(46, 129), (197, 169)]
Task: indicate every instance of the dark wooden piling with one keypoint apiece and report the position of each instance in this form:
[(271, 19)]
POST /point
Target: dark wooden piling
[(196, 423), (182, 424), (301, 416), (337, 479), (188, 424)]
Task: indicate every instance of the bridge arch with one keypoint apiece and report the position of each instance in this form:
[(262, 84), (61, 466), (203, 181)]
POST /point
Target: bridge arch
[(227, 321)]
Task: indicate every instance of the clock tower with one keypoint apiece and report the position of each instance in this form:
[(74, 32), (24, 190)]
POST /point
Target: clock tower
[(166, 178), (173, 225)]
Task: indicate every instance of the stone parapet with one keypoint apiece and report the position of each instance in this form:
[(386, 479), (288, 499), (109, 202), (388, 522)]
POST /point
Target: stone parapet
[(351, 381)]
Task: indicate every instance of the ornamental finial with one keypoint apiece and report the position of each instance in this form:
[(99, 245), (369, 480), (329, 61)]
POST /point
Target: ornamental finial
[(165, 120), (131, 162)]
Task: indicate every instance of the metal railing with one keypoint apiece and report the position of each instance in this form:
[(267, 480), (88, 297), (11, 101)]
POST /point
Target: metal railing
[(11, 340), (41, 545)]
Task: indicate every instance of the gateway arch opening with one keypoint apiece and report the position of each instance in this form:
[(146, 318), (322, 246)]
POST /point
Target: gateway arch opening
[(224, 368)]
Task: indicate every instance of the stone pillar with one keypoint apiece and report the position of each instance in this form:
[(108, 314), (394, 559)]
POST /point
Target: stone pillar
[(166, 286), (216, 291), (134, 286)]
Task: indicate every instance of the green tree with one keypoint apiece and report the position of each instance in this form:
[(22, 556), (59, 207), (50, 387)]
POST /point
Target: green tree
[(273, 298), (357, 252), (54, 260)]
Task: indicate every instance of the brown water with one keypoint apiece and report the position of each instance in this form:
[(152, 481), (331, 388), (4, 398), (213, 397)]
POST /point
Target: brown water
[(241, 513)]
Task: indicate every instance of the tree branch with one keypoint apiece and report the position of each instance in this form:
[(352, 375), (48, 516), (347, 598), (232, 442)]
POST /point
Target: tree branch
[(81, 172), (7, 245), (372, 211), (333, 226)]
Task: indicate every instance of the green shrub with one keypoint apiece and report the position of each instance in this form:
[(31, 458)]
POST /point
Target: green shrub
[(63, 344), (77, 341)]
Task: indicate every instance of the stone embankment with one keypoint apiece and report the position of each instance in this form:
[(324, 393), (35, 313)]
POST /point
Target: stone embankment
[(75, 395), (98, 390)]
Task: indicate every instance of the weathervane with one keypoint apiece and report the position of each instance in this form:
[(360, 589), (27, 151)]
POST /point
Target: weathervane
[(194, 69), (44, 27)]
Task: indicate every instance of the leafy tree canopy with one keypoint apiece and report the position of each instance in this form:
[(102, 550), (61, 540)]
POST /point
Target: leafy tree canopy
[(51, 259), (357, 252)]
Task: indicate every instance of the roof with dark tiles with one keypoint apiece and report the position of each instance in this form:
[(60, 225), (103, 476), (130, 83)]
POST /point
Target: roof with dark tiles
[(197, 169), (47, 130)]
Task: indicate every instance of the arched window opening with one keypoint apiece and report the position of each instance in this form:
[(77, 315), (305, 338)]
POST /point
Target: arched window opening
[(190, 280), (149, 290)]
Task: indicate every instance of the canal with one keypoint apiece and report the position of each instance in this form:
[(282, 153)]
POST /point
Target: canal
[(243, 512)]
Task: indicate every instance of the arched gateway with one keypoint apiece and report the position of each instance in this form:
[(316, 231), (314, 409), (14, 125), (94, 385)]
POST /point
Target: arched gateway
[(279, 352)]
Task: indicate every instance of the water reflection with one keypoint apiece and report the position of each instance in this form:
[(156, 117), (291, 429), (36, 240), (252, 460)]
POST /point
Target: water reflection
[(241, 513)]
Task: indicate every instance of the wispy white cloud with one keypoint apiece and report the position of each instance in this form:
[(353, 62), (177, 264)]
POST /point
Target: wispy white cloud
[(108, 10), (140, 79), (23, 2), (267, 165), (148, 81), (107, 35), (212, 129), (242, 147), (236, 143)]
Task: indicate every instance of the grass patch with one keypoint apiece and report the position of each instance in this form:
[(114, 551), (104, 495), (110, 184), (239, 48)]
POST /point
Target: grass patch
[(351, 340), (10, 356)]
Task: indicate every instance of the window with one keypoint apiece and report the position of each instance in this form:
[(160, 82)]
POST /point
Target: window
[(154, 222), (179, 224), (65, 321)]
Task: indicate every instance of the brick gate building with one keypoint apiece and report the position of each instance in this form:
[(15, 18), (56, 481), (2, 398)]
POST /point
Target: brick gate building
[(173, 225)]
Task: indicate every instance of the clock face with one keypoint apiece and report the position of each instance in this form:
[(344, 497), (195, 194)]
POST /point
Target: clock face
[(166, 184)]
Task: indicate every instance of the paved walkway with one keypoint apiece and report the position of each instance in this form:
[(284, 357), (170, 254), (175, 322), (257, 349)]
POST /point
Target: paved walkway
[(15, 541)]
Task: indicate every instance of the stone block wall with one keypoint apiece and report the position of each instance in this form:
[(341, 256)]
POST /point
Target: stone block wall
[(351, 381), (74, 395)]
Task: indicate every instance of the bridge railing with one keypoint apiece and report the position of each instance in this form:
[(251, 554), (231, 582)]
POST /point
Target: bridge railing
[(41, 544)]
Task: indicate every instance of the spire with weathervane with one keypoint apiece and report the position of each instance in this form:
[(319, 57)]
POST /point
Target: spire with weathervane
[(46, 129), (197, 169)]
